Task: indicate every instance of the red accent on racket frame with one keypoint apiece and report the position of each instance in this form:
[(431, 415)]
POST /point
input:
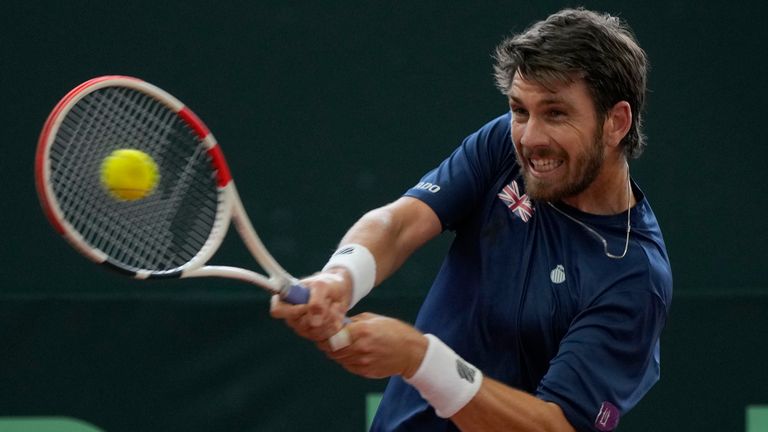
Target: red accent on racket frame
[(194, 122), (223, 174)]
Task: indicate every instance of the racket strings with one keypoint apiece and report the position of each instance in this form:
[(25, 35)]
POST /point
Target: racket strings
[(165, 217), (160, 232), (94, 223), (92, 131)]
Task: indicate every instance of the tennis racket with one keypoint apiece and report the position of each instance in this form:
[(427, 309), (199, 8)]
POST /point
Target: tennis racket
[(175, 230)]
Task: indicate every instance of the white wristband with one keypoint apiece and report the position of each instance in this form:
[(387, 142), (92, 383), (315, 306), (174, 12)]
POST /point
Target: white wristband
[(360, 263), (444, 379)]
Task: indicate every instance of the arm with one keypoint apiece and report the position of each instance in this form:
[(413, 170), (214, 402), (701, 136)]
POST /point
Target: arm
[(609, 355), (500, 407), (391, 233), (384, 346)]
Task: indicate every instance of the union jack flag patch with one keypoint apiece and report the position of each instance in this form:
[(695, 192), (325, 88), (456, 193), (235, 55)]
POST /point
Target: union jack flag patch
[(519, 204)]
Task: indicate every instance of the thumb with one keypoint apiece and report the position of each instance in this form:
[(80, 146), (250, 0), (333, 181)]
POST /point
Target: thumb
[(365, 316)]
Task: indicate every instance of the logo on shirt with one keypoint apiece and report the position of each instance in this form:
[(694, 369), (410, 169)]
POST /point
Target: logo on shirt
[(465, 371), (428, 187), (519, 204), (557, 275), (608, 417)]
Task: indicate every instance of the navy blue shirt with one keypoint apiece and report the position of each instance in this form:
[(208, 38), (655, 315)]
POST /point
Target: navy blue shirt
[(529, 297)]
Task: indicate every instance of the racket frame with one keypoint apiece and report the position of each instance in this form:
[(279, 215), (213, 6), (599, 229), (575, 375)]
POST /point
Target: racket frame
[(230, 207)]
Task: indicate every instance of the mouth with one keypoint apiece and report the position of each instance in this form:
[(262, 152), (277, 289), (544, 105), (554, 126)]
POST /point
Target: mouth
[(543, 166)]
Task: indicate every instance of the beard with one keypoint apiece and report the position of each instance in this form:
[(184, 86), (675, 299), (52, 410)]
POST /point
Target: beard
[(583, 169)]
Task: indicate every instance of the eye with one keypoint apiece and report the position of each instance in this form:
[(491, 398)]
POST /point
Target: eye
[(518, 113), (555, 114)]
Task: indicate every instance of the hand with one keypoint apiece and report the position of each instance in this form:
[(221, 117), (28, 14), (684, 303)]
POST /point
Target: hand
[(380, 347), (322, 317)]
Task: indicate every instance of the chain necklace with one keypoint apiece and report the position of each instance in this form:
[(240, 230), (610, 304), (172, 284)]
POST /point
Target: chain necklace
[(598, 236)]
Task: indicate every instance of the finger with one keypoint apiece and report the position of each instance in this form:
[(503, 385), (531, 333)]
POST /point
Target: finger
[(337, 315), (340, 340), (364, 316), (318, 306), (282, 310), (322, 325), (328, 322), (294, 317), (331, 325)]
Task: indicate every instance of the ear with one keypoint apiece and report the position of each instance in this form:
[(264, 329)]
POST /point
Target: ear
[(617, 123)]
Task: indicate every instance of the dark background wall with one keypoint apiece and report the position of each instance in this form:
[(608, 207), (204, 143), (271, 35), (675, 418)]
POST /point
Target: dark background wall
[(325, 110)]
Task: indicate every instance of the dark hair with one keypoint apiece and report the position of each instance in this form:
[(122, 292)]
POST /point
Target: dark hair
[(577, 43)]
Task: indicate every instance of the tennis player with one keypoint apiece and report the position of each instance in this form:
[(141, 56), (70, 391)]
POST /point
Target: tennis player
[(547, 311)]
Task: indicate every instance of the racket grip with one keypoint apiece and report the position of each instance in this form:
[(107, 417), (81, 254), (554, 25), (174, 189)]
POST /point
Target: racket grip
[(296, 294)]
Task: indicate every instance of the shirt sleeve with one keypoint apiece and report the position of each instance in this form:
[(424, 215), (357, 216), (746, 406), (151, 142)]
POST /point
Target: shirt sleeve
[(608, 359), (458, 184)]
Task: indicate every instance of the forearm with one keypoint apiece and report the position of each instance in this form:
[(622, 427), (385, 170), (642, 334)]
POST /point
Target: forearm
[(500, 407), (393, 232), (459, 391)]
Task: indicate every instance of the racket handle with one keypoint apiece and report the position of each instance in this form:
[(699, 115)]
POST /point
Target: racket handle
[(296, 294)]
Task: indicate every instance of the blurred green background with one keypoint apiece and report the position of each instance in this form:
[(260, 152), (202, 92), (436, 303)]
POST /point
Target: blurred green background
[(328, 109)]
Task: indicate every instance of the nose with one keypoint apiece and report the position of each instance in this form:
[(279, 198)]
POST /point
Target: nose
[(532, 133)]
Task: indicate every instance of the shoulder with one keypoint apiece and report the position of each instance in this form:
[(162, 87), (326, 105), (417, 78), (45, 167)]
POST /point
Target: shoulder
[(489, 147), (646, 267), (496, 130), (458, 185), (651, 252), (643, 273)]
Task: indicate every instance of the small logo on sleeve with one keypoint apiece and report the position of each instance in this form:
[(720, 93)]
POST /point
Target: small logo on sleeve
[(608, 417), (428, 187)]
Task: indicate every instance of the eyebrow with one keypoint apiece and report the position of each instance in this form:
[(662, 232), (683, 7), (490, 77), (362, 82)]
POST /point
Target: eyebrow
[(550, 100)]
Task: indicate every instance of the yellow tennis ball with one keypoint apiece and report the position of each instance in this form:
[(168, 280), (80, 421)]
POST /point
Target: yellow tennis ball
[(129, 174)]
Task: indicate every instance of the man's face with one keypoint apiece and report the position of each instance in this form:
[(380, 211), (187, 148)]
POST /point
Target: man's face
[(558, 140)]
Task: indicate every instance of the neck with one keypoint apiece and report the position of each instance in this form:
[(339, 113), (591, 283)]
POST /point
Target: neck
[(608, 194)]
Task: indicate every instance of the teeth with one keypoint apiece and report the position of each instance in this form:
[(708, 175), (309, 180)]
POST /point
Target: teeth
[(545, 164)]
